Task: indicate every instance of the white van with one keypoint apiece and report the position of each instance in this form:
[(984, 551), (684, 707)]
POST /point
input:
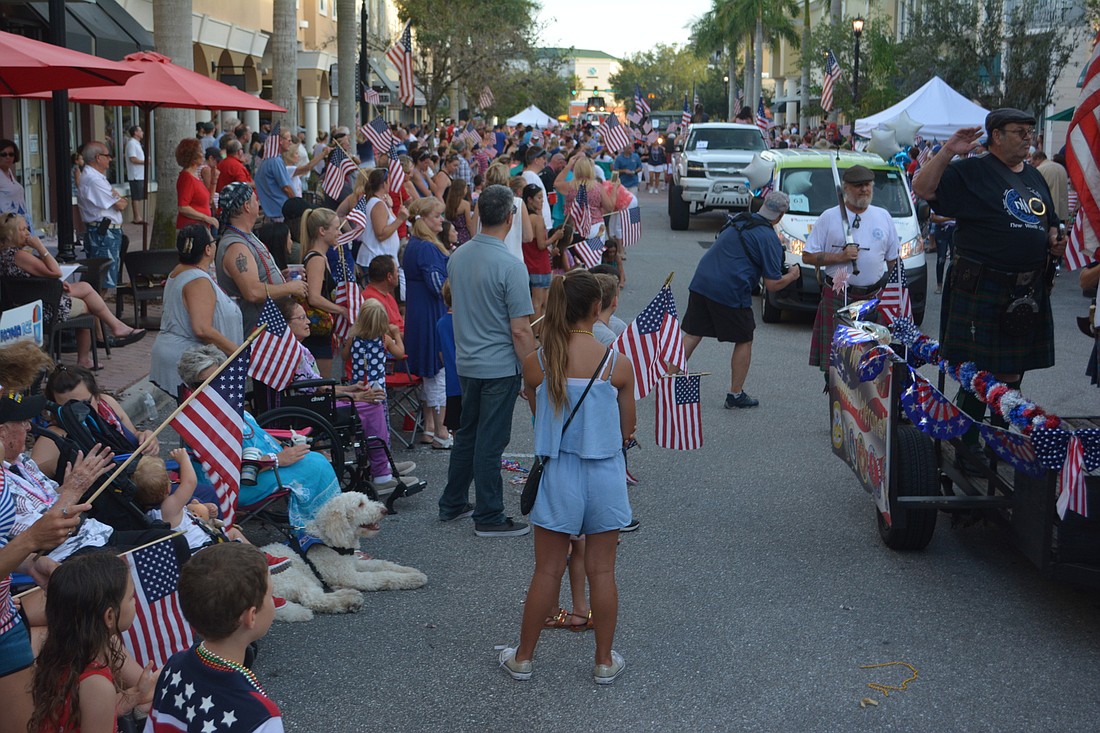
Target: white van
[(807, 177)]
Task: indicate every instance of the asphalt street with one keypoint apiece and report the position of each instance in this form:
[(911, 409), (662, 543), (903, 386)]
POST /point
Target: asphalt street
[(755, 589)]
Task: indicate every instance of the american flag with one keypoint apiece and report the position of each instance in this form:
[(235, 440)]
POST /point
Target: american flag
[(832, 74), (924, 156), (346, 295), (685, 118), (358, 218), (1071, 481), (378, 132), (894, 300), (580, 213), (401, 56), (635, 118), (212, 424), (339, 167), (652, 341), (589, 252), (275, 351), (630, 220), (371, 96), (469, 135), (486, 100), (1083, 153), (159, 629), (738, 101), (615, 136), (397, 173), (679, 423), (932, 412), (271, 145), (762, 116), (1076, 256), (639, 100)]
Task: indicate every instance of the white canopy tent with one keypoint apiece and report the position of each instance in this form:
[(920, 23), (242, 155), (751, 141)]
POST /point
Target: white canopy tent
[(533, 116), (939, 108)]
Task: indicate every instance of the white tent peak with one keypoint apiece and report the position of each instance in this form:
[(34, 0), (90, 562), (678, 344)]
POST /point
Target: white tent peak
[(533, 116), (939, 108)]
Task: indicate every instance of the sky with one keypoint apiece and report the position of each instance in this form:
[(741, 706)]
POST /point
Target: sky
[(618, 27)]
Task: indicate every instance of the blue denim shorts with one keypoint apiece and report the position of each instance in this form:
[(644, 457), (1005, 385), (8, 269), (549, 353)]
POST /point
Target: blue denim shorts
[(15, 649), (582, 496), (538, 281)]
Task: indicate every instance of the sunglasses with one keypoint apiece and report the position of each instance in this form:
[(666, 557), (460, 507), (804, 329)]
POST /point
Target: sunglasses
[(7, 154), (855, 222)]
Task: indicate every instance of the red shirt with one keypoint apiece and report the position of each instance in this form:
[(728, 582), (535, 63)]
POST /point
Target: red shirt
[(231, 170), (537, 260), (396, 199), (191, 191), (388, 302)]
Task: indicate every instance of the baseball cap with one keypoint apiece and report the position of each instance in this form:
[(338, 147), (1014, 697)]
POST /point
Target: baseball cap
[(15, 407), (998, 118), (858, 174), (775, 205)]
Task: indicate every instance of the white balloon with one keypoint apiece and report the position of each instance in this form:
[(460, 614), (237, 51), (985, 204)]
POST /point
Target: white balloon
[(905, 127), (759, 171), (884, 143)]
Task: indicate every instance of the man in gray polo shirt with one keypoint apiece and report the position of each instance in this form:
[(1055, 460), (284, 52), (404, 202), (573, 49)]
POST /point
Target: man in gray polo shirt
[(492, 305)]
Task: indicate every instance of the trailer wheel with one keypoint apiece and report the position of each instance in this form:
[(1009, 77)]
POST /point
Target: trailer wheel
[(911, 529), (679, 211)]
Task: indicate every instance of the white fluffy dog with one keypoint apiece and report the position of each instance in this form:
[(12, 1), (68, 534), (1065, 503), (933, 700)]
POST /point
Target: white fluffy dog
[(340, 525)]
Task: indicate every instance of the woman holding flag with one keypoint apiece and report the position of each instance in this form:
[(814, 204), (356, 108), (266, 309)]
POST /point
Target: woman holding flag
[(595, 200)]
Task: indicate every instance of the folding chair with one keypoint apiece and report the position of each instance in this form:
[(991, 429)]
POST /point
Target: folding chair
[(403, 395), (148, 272)]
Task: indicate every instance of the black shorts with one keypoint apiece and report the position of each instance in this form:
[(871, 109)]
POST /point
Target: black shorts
[(452, 418), (711, 319), (137, 190)]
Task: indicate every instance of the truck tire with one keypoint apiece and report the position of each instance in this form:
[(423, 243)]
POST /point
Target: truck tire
[(769, 313), (679, 211), (911, 529)]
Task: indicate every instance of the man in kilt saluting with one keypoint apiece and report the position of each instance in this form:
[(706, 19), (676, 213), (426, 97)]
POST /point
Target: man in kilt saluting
[(996, 299)]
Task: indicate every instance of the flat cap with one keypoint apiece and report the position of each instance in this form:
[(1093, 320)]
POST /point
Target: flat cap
[(858, 174), (998, 118)]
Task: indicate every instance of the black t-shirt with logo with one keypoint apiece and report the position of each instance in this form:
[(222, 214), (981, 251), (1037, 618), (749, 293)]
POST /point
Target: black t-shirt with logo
[(995, 227)]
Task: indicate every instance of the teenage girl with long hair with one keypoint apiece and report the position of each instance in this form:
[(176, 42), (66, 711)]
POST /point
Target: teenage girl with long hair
[(583, 489), (89, 603)]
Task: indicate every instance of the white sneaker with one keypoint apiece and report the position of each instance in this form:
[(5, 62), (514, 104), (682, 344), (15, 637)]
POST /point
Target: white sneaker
[(405, 467), (516, 670), (603, 674)]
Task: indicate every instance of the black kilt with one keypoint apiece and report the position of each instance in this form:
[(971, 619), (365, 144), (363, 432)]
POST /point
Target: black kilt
[(970, 328)]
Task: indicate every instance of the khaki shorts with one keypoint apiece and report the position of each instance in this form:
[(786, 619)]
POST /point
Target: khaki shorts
[(78, 308)]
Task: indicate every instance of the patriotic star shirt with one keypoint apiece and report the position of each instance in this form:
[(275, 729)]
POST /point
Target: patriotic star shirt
[(193, 697)]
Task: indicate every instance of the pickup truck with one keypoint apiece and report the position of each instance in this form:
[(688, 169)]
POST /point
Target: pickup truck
[(708, 175)]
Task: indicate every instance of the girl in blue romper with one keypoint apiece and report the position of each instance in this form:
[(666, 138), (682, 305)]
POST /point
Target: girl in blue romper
[(583, 489)]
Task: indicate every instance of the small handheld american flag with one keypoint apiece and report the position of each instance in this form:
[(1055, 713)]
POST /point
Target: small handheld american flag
[(894, 300), (679, 423), (652, 341), (401, 56), (379, 135), (271, 145), (486, 100), (159, 629), (640, 102), (589, 251), (357, 217), (371, 96), (631, 222), (580, 213), (832, 74), (275, 351), (685, 118), (615, 135), (339, 167)]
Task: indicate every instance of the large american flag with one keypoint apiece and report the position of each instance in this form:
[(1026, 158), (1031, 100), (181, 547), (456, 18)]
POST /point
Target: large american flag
[(159, 629), (339, 167), (685, 118), (271, 145), (212, 424), (893, 300), (346, 295), (630, 220), (358, 218), (589, 252), (486, 99), (275, 351), (580, 213), (378, 132), (832, 74), (679, 423), (1083, 153), (652, 341), (400, 55), (640, 103), (371, 96), (615, 136), (1076, 256)]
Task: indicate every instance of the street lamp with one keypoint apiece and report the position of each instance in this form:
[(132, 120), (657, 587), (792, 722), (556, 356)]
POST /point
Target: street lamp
[(857, 30), (729, 98)]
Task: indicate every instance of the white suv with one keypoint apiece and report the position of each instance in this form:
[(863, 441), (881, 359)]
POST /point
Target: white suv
[(708, 174)]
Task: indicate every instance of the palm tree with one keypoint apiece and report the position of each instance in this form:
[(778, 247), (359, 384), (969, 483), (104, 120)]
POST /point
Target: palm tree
[(759, 22), (172, 37), (284, 60), (347, 47)]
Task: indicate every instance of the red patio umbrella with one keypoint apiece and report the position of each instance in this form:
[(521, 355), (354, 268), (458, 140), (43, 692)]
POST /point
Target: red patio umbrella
[(28, 66)]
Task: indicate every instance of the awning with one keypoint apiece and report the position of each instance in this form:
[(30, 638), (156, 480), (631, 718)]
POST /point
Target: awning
[(1064, 116), (102, 28)]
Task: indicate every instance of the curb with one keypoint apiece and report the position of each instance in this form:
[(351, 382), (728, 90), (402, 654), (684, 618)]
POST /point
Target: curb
[(133, 402)]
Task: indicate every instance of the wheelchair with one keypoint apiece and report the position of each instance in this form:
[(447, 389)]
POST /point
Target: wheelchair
[(310, 408)]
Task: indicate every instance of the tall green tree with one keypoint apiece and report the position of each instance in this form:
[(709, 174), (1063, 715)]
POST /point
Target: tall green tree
[(460, 41), (538, 79), (667, 72), (880, 75)]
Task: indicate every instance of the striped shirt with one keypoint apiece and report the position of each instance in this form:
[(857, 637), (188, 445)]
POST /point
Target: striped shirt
[(8, 614)]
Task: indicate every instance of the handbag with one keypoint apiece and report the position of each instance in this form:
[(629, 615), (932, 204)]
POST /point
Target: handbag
[(534, 476)]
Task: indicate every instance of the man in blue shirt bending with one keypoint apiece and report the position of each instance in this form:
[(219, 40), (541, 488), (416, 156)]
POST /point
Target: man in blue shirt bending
[(720, 298)]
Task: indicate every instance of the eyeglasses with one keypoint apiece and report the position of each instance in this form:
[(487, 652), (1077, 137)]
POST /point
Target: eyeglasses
[(7, 154), (1022, 132), (302, 317), (104, 155), (855, 222)]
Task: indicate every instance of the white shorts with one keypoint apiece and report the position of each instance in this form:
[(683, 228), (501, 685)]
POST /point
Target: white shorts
[(433, 391)]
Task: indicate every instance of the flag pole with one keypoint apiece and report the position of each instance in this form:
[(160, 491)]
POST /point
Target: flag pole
[(668, 280), (152, 436)]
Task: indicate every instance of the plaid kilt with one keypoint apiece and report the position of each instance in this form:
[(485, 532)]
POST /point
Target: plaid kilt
[(825, 324), (970, 329)]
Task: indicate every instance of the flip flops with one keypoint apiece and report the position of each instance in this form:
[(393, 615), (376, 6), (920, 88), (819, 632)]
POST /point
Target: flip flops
[(135, 335)]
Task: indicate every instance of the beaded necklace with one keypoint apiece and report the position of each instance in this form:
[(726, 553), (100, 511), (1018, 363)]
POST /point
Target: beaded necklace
[(212, 660)]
